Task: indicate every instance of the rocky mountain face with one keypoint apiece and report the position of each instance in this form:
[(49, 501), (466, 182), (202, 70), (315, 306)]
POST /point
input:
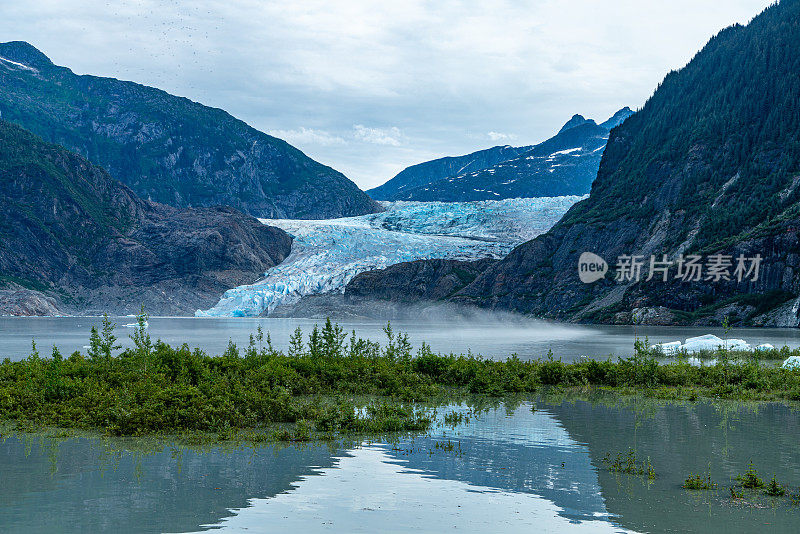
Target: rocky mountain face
[(707, 171), (169, 149), (73, 240), (415, 281), (565, 164)]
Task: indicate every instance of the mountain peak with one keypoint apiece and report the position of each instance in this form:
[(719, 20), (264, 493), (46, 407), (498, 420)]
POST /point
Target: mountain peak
[(617, 118), (576, 120), (25, 53)]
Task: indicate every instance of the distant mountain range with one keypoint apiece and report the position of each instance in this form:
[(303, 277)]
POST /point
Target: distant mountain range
[(169, 149), (565, 164), (709, 167), (74, 240)]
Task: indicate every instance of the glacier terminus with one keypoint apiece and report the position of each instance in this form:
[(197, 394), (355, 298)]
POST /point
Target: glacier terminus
[(326, 254)]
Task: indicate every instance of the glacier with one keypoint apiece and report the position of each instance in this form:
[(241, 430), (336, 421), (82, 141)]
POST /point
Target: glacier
[(326, 254)]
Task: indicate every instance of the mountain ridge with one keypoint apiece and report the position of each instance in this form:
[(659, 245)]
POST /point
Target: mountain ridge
[(168, 148), (512, 172)]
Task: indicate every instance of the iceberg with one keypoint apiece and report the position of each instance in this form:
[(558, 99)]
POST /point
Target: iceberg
[(765, 346), (706, 342), (712, 342), (327, 254), (792, 362)]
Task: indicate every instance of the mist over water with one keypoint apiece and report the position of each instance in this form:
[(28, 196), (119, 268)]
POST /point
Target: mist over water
[(492, 335)]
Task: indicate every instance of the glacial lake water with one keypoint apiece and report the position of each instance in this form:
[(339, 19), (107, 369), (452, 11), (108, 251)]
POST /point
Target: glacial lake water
[(491, 338), (530, 465)]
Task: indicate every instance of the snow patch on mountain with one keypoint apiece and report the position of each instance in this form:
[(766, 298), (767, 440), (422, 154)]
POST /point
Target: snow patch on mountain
[(18, 65), (327, 254)]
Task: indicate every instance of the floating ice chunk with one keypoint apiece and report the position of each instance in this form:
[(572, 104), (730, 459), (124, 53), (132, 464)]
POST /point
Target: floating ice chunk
[(765, 346), (668, 348), (136, 325), (706, 342), (792, 362), (712, 342), (737, 344)]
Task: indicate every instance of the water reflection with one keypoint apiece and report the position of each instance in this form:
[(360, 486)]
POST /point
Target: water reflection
[(94, 485), (518, 466), (684, 438), (375, 492), (517, 449)]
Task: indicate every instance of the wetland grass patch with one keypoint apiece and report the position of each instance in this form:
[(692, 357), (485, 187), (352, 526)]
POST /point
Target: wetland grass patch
[(317, 387)]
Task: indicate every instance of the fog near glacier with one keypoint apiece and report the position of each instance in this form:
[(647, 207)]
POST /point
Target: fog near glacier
[(327, 254)]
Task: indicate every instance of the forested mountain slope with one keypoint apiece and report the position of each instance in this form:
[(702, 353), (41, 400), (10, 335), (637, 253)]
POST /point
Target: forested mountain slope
[(72, 240), (166, 148), (711, 164)]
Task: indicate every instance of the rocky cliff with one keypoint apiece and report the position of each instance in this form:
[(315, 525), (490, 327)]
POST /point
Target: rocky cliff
[(416, 281), (73, 240), (169, 149)]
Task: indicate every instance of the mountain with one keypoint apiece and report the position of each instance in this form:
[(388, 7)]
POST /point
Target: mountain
[(410, 281), (565, 164), (709, 166), (429, 172), (74, 240), (169, 149)]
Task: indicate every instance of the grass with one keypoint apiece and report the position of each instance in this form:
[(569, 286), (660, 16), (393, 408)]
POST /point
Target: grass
[(750, 481), (628, 463), (699, 482), (327, 383), (455, 418)]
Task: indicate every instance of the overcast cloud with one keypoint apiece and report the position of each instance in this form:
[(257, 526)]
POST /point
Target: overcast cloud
[(369, 89)]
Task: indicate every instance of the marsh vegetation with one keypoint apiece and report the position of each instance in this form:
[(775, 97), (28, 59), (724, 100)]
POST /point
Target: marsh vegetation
[(327, 383)]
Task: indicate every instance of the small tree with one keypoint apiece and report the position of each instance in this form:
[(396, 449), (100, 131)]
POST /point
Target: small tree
[(34, 351), (108, 339), (141, 339), (260, 337), (390, 349), (333, 338), (296, 344), (315, 343), (94, 345)]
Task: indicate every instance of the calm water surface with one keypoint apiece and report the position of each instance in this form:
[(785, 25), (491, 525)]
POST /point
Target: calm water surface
[(495, 339), (531, 466)]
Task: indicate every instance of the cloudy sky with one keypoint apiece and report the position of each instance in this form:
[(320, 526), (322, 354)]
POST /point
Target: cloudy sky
[(370, 89)]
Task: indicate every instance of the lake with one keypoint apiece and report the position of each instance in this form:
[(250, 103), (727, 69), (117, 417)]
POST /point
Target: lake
[(491, 338), (529, 465)]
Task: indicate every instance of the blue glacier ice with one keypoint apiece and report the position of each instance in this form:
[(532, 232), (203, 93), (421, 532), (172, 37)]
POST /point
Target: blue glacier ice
[(327, 254)]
